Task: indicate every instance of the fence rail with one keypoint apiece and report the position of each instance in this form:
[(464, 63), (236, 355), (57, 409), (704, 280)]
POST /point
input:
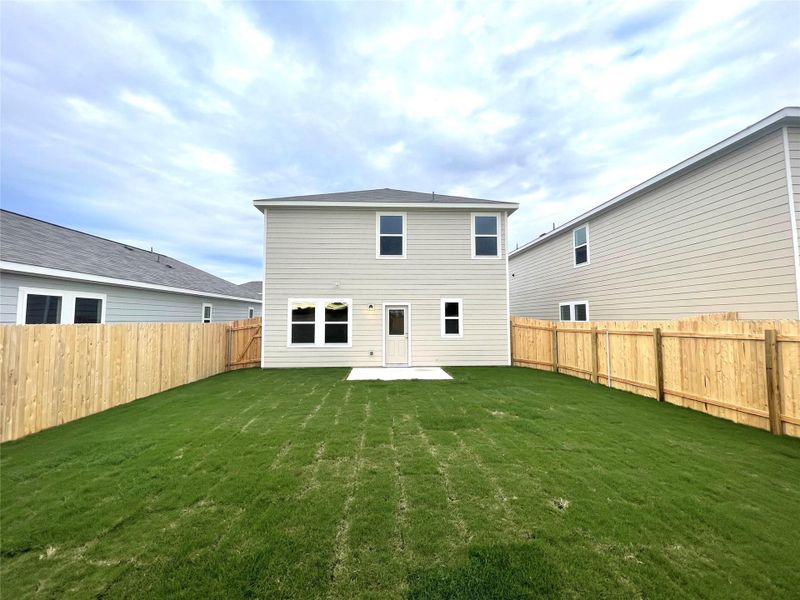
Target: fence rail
[(53, 374), (745, 371)]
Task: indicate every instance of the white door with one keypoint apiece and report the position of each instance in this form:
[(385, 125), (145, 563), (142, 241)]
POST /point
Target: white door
[(396, 339)]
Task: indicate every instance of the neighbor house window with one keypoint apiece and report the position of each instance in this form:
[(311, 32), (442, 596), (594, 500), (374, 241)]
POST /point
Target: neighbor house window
[(485, 235), (42, 309), (580, 242), (574, 311), (207, 310), (452, 317), (320, 322), (391, 235), (250, 312), (88, 310), (39, 306)]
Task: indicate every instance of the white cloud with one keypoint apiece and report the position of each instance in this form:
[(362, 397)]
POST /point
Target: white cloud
[(204, 160), (88, 112), (147, 104)]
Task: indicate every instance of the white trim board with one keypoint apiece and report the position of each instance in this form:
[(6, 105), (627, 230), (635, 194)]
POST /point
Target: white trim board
[(770, 123), (792, 215), (75, 276), (507, 206)]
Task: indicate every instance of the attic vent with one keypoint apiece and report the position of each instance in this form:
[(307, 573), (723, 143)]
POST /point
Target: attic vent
[(168, 266)]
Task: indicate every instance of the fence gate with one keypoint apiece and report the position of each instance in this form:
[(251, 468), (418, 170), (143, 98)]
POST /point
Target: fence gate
[(244, 344)]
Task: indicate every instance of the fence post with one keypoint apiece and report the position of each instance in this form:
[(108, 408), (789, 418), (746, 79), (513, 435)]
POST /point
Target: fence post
[(555, 347), (659, 356), (511, 341), (773, 381), (594, 355)]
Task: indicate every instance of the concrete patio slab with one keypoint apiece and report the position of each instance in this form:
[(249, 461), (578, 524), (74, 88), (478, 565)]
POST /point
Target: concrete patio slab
[(396, 373)]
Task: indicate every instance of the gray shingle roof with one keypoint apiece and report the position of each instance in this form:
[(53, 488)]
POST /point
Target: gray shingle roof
[(33, 242), (254, 287), (388, 195)]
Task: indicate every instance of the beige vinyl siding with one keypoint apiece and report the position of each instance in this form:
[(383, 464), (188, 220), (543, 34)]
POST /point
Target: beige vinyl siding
[(794, 161), (125, 305), (715, 239), (330, 252)]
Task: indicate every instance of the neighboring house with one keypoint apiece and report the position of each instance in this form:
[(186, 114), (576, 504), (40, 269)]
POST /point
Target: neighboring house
[(253, 288), (52, 274), (715, 233), (385, 278)]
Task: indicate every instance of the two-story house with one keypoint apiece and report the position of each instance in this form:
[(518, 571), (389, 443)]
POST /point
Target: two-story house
[(385, 278), (717, 232)]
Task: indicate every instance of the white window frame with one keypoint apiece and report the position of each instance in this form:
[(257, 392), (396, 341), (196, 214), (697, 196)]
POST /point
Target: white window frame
[(572, 311), (460, 303), (67, 303), (319, 322), (575, 263), (378, 234), (210, 313), (251, 312), (499, 235)]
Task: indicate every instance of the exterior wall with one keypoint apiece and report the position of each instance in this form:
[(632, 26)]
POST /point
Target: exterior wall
[(125, 305), (330, 252), (716, 239), (794, 161)]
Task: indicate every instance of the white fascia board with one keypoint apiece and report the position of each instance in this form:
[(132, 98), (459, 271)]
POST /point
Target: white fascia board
[(507, 206), (74, 276), (774, 120)]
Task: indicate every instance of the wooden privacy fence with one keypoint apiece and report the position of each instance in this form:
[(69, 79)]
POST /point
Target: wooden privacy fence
[(53, 374), (745, 371)]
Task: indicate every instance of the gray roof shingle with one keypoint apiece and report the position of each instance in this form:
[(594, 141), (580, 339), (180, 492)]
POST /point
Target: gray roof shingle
[(387, 195), (30, 241)]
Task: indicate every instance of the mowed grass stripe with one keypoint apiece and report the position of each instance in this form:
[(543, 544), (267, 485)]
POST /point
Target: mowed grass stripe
[(500, 483)]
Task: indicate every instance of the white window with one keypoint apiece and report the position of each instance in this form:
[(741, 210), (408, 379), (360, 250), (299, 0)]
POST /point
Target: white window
[(485, 235), (207, 310), (580, 243), (574, 311), (250, 312), (40, 306), (391, 235), (452, 317), (319, 322)]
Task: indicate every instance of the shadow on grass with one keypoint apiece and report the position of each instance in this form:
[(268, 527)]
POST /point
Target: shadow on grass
[(507, 571)]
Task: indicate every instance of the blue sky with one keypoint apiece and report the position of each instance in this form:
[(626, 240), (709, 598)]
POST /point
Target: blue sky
[(157, 124)]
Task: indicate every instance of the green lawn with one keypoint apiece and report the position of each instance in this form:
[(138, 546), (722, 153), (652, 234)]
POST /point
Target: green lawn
[(502, 483)]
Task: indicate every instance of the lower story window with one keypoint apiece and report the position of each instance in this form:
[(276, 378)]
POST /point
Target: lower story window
[(320, 322), (40, 306), (250, 312), (574, 311), (207, 312), (452, 317)]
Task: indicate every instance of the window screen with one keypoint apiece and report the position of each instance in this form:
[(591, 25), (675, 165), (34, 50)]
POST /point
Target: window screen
[(88, 310), (486, 237), (391, 234), (303, 323)]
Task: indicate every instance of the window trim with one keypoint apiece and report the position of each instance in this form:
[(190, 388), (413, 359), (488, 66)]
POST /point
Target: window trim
[(499, 236), (442, 317), (67, 303), (210, 313), (319, 322), (378, 235), (572, 311), (575, 263)]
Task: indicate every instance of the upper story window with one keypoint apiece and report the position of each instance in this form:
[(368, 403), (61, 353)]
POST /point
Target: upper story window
[(580, 243), (319, 322), (40, 306), (391, 241), (574, 311), (485, 236), (207, 310)]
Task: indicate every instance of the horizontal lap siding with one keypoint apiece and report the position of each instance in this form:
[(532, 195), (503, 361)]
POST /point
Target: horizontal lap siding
[(126, 305), (310, 251), (716, 239)]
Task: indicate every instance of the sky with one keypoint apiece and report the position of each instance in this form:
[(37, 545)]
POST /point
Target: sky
[(156, 124)]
